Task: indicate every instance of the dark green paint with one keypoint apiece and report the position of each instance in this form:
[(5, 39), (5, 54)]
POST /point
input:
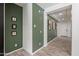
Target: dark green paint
[(51, 33), (37, 19), (10, 41)]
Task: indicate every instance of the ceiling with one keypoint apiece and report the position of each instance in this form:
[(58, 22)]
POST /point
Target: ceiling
[(20, 4), (46, 5), (43, 5), (62, 15)]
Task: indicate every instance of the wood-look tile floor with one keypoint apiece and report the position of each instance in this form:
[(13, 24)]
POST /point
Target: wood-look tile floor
[(60, 46)]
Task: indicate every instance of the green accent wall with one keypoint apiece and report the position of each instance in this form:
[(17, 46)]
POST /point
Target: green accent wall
[(13, 42), (51, 33), (37, 26)]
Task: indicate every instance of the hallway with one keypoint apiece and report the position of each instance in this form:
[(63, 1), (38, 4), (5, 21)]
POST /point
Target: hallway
[(60, 46)]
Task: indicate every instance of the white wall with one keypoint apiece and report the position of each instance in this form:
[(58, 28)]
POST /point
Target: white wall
[(64, 29), (75, 29), (27, 27), (45, 28), (61, 29), (69, 29)]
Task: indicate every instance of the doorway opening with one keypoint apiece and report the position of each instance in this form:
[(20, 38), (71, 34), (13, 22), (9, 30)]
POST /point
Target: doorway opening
[(60, 30)]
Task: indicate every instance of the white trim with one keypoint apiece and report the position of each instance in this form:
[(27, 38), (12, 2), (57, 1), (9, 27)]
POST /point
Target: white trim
[(50, 41), (4, 28), (33, 52), (45, 28), (13, 51), (37, 50)]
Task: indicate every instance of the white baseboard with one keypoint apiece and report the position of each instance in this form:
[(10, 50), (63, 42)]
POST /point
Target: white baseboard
[(13, 51), (37, 50), (28, 51), (51, 40), (43, 46)]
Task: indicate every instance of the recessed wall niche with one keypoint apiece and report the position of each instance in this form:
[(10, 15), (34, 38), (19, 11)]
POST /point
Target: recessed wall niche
[(14, 26), (13, 18), (13, 33)]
